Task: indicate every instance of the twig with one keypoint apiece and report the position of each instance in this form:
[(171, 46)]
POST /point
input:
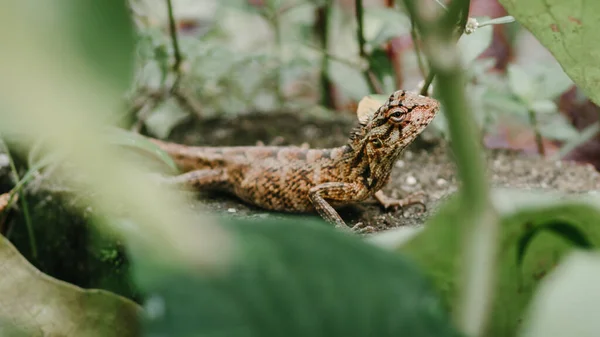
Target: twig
[(175, 42), (279, 49), (427, 84), (322, 32), (373, 86), (536, 130), (420, 61)]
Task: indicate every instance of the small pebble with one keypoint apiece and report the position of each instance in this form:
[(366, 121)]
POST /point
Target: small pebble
[(231, 210), (441, 182), (410, 180)]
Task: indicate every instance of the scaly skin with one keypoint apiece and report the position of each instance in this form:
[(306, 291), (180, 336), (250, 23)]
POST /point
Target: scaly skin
[(296, 179)]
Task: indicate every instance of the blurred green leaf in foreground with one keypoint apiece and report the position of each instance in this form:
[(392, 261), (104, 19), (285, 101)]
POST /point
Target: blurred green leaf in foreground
[(294, 279)]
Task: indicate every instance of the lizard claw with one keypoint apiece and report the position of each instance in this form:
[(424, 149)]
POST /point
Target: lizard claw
[(411, 200), (360, 228)]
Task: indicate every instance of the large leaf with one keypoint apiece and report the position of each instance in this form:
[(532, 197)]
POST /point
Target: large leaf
[(537, 230), (570, 291), (568, 28), (40, 305), (294, 279)]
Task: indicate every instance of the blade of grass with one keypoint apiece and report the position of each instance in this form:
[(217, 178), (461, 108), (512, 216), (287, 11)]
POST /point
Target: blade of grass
[(23, 201)]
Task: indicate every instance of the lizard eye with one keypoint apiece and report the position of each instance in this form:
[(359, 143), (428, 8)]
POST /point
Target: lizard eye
[(397, 116), (377, 143)]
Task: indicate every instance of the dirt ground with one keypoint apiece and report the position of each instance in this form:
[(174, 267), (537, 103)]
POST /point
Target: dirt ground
[(425, 167)]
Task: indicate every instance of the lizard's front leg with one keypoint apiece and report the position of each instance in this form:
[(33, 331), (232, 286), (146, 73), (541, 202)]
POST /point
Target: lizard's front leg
[(388, 202), (334, 191)]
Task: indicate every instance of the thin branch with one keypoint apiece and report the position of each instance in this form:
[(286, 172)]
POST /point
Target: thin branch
[(427, 84), (174, 38), (360, 36), (420, 61), (536, 130), (322, 31), (175, 42), (275, 21)]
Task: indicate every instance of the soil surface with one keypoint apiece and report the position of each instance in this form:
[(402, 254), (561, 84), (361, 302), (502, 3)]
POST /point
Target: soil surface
[(424, 167)]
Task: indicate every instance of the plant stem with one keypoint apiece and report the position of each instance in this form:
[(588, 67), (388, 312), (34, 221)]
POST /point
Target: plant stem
[(174, 39), (427, 84), (480, 226), (536, 129), (322, 32), (393, 55), (279, 46), (419, 55), (369, 77), (23, 200)]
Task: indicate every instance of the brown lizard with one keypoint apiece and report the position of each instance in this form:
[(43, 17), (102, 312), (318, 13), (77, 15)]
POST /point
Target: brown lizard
[(297, 179)]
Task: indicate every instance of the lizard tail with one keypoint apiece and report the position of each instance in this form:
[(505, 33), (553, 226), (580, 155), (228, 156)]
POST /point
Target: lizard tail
[(189, 158)]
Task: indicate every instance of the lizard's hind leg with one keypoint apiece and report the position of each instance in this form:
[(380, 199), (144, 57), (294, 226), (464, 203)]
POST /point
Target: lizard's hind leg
[(200, 179)]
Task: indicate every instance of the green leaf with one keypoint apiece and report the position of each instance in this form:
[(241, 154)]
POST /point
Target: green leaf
[(39, 157), (543, 106), (521, 84), (521, 213), (568, 29), (585, 135), (294, 278), (132, 140), (559, 128), (350, 79), (563, 229), (568, 301), (551, 80), (164, 118), (382, 24), (504, 103), (41, 305)]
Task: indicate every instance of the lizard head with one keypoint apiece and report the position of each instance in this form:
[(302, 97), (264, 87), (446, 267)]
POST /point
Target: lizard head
[(386, 131)]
